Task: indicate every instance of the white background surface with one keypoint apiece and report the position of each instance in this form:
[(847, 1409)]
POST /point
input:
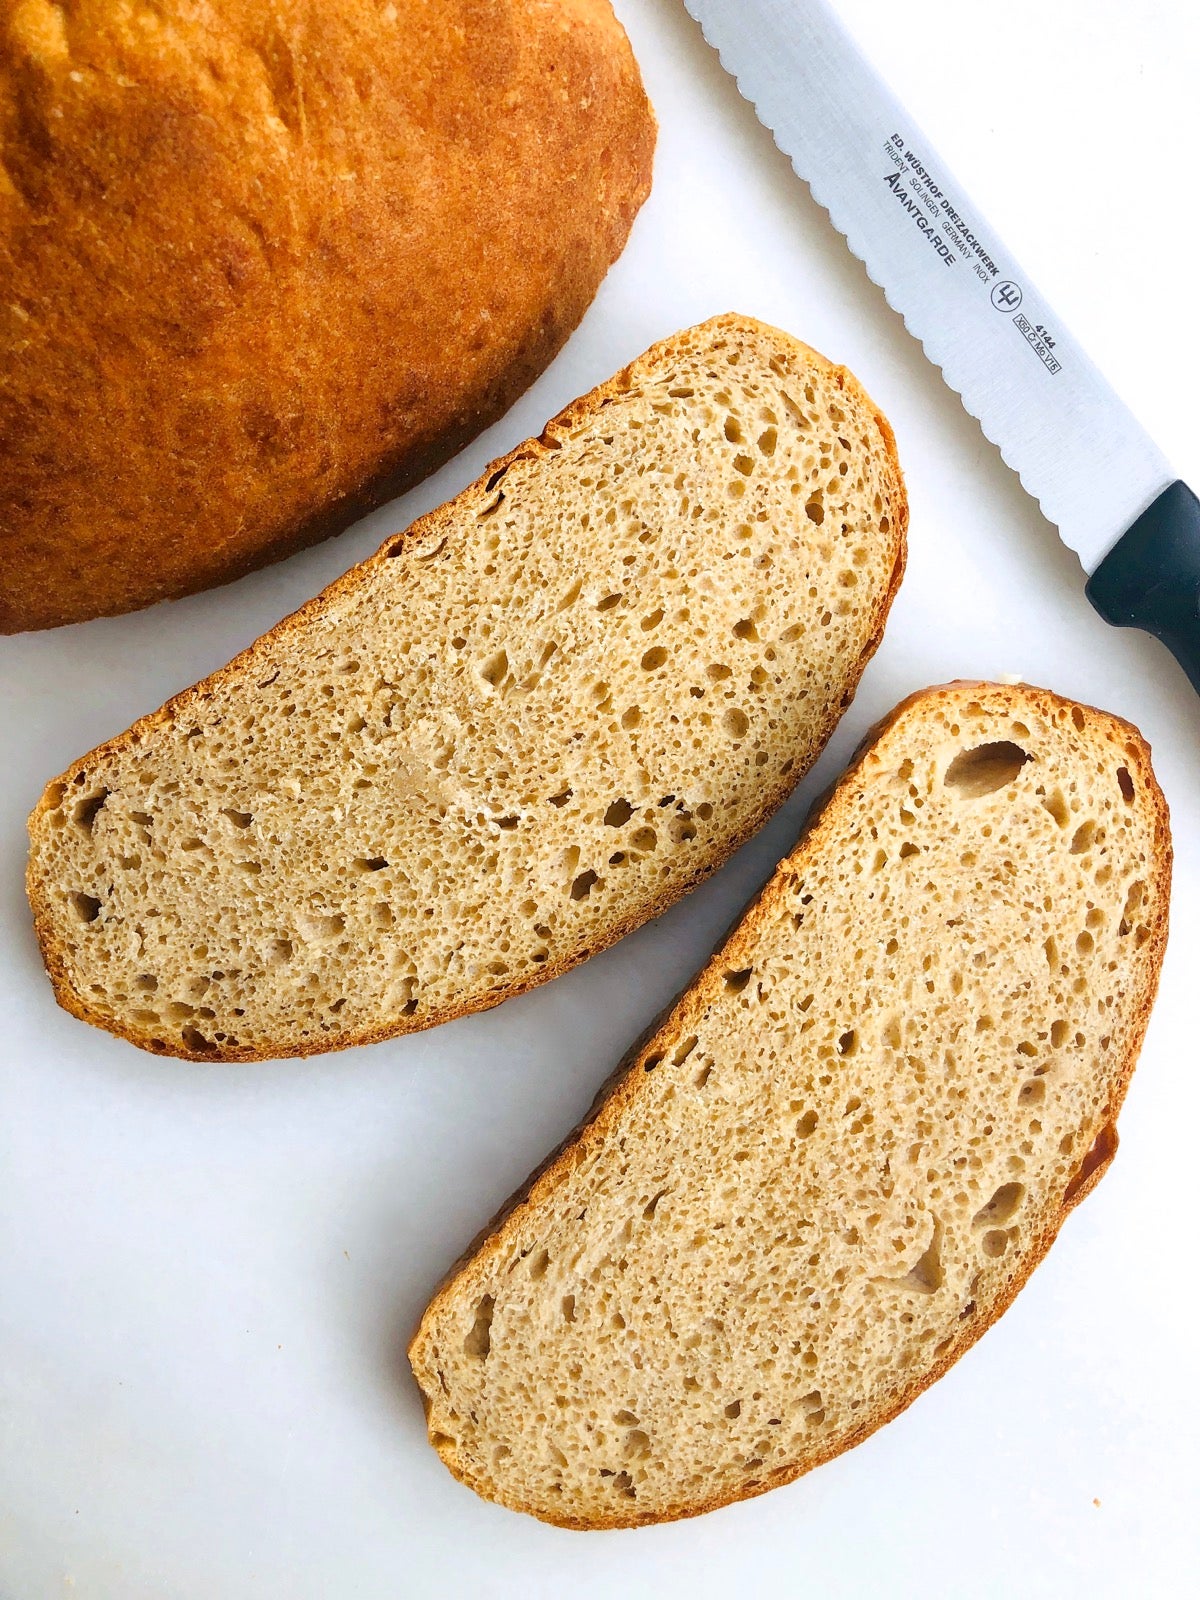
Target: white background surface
[(207, 1274)]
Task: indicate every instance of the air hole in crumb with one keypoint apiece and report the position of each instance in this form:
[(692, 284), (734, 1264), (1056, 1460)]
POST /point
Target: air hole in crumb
[(370, 864), (737, 723), (495, 669), (733, 1409), (652, 620), (653, 1061), (927, 1275), (985, 769), (807, 1124), (1083, 837), (644, 839), (85, 906), (195, 1040), (582, 886), (537, 1267), (1133, 900), (561, 799), (815, 511), (653, 659), (568, 1308), (86, 811), (848, 1043), (735, 982), (240, 819), (618, 814), (1125, 782), (995, 1243), (1057, 806), (1001, 1208), (478, 1341), (684, 1049), (651, 1205)]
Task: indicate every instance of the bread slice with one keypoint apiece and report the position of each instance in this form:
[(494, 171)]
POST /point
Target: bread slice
[(842, 1153), (520, 730), (264, 266)]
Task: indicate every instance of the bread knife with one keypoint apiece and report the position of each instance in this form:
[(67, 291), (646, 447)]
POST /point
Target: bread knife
[(1078, 450)]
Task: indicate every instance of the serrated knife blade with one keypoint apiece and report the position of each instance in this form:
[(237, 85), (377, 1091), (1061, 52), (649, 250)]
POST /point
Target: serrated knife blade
[(1077, 448)]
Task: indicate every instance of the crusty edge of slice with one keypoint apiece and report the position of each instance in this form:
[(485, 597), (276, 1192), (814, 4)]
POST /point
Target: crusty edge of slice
[(736, 949), (409, 545)]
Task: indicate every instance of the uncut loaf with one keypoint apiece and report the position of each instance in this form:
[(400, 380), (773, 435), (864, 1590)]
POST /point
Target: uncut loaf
[(267, 262), (851, 1140), (524, 727)]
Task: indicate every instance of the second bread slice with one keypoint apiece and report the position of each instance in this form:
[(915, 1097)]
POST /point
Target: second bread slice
[(520, 730), (839, 1156)]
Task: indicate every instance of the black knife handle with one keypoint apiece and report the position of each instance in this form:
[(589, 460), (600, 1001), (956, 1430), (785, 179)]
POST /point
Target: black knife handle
[(1150, 579)]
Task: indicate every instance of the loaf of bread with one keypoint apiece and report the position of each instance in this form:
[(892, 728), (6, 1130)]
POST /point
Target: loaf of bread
[(840, 1156), (520, 730), (265, 265)]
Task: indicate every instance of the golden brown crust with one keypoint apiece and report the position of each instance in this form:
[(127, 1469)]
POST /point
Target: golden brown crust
[(266, 265), (737, 950), (424, 531)]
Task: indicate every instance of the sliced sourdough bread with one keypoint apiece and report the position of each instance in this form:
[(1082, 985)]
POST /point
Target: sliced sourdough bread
[(524, 727), (842, 1153)]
